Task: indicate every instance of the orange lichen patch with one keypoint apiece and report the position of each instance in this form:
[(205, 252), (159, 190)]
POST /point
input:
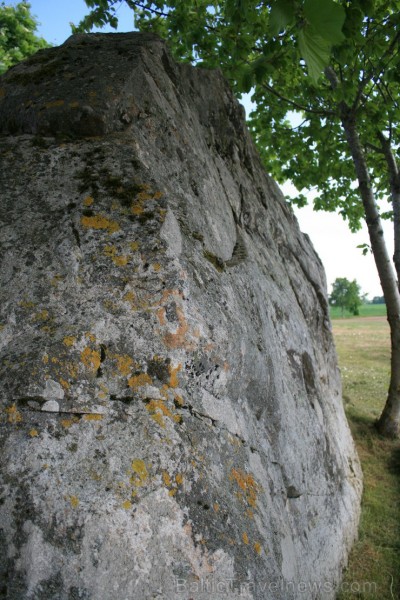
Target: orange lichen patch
[(156, 267), (226, 367), (90, 336), (124, 364), (173, 371), (127, 505), (216, 507), (88, 201), (179, 478), (140, 475), (166, 478), (93, 417), (69, 340), (137, 381), (54, 103), (247, 484), (245, 538), (257, 547), (14, 416), (74, 501), (172, 492), (157, 195), (100, 222), (45, 359), (91, 359), (33, 433), (250, 513), (177, 339), (134, 246)]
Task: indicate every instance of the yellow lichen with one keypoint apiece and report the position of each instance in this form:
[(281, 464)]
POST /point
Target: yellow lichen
[(88, 201), (14, 416), (33, 433), (74, 500), (90, 336), (100, 222), (140, 472), (257, 547), (69, 422), (216, 507), (42, 315), (156, 267), (158, 410), (54, 103), (127, 505), (247, 484), (137, 381), (69, 340), (124, 364), (91, 359), (118, 260), (93, 417), (179, 478), (166, 478), (245, 538), (64, 384), (134, 246)]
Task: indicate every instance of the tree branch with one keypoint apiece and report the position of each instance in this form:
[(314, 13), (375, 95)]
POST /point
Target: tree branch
[(324, 113)]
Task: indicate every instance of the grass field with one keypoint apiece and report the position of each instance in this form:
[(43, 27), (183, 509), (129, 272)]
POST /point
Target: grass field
[(366, 310), (374, 566)]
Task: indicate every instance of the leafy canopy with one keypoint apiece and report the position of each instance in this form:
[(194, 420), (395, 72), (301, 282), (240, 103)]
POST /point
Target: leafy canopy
[(17, 34), (346, 295), (279, 50)]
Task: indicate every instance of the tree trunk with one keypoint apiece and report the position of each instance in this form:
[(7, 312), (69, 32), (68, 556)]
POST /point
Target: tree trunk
[(395, 197), (389, 421)]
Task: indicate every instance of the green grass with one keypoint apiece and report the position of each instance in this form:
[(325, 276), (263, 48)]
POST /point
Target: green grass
[(366, 310), (374, 566)]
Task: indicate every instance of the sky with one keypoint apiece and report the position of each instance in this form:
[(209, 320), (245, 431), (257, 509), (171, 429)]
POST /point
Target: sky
[(335, 245)]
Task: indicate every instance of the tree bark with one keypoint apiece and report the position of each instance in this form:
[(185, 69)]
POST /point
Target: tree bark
[(395, 197), (389, 421)]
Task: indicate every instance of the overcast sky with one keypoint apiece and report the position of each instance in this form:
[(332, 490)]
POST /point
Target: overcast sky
[(336, 246)]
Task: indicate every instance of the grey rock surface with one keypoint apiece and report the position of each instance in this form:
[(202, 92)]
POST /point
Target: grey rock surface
[(171, 418)]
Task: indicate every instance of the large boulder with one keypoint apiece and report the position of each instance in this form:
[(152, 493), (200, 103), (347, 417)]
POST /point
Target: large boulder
[(171, 413)]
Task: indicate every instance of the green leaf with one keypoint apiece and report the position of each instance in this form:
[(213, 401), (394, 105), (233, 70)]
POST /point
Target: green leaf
[(315, 50), (281, 15), (327, 18), (245, 79)]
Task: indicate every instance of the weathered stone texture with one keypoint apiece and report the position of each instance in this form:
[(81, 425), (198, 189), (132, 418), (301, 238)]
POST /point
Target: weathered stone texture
[(171, 414)]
